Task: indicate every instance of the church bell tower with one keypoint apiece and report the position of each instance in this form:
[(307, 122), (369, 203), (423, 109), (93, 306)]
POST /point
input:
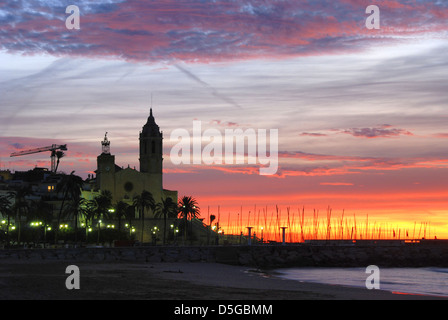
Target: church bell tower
[(106, 167), (151, 153)]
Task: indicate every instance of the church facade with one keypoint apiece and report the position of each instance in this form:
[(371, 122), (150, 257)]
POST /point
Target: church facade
[(126, 183)]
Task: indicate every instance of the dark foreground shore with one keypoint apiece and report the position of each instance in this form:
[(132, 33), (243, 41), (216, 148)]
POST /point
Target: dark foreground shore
[(31, 280)]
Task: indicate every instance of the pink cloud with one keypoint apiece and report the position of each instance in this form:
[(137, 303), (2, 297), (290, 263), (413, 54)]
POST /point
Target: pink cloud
[(336, 184), (313, 134), (224, 123), (212, 31)]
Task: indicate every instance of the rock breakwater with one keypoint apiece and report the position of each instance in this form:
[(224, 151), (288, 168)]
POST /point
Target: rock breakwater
[(263, 256)]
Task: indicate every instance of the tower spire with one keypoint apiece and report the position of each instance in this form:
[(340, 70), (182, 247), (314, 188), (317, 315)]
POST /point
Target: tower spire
[(105, 145), (151, 147)]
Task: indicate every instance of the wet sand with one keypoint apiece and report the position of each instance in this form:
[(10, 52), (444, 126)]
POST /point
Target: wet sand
[(45, 280)]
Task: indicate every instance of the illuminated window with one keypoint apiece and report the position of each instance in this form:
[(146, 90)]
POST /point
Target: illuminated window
[(50, 188)]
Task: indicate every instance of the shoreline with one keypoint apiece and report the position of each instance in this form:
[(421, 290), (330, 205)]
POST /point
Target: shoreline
[(280, 275), (192, 281)]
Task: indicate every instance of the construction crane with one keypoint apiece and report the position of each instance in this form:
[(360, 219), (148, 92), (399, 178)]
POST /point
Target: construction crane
[(56, 153)]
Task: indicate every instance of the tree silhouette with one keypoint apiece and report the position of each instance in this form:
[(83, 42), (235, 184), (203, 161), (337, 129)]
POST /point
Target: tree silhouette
[(87, 211), (121, 209), (6, 211), (143, 201), (20, 207), (188, 209), (43, 212), (103, 203), (130, 215), (70, 186), (168, 209)]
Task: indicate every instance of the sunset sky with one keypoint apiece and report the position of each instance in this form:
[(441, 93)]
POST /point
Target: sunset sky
[(362, 114)]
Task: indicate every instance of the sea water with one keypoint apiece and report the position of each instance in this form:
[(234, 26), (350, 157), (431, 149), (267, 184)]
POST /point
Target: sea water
[(426, 281)]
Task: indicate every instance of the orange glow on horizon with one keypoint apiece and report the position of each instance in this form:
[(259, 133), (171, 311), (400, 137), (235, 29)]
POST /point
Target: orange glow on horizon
[(387, 219)]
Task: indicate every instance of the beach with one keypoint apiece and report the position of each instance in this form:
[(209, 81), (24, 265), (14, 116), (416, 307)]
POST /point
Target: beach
[(45, 280)]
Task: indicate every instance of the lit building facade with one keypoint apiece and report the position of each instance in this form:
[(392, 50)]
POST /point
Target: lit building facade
[(126, 183)]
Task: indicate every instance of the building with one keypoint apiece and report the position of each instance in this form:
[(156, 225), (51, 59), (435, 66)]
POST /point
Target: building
[(126, 183), (5, 175)]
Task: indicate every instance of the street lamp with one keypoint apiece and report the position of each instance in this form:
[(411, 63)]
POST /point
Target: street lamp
[(283, 234), (249, 236), (154, 235), (99, 230)]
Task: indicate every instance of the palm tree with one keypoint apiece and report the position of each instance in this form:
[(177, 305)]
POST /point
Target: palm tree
[(121, 209), (168, 209), (74, 208), (103, 203), (188, 208), (130, 215), (4, 205), (20, 207), (88, 210), (6, 211), (144, 201), (43, 211), (70, 186)]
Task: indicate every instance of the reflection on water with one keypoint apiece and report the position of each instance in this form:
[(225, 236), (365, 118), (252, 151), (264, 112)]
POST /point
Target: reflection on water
[(429, 281)]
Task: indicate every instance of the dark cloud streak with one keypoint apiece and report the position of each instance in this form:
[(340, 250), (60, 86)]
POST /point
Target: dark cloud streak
[(212, 90), (383, 131)]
